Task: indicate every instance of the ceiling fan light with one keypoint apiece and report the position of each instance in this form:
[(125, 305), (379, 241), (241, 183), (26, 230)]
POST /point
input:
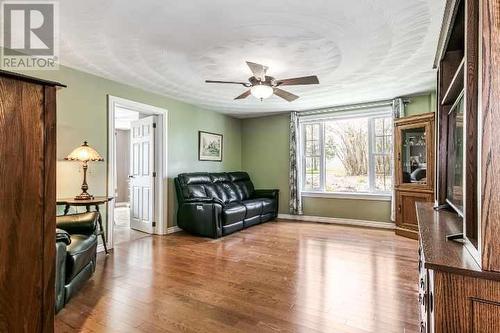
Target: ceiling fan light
[(261, 91)]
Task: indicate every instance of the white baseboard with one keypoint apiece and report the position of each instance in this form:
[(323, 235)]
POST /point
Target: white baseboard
[(335, 220), (173, 229), (100, 248)]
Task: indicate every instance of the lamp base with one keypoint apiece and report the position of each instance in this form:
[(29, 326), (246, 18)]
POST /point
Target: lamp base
[(84, 196)]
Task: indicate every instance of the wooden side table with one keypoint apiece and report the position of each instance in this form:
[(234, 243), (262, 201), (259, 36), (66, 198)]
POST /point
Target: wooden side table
[(96, 202)]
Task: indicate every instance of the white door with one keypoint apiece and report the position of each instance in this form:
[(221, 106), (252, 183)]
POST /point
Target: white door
[(142, 173)]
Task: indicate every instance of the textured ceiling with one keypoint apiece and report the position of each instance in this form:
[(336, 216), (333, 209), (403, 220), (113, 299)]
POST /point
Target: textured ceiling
[(361, 50)]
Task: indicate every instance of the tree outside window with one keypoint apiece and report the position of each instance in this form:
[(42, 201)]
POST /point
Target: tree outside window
[(350, 155)]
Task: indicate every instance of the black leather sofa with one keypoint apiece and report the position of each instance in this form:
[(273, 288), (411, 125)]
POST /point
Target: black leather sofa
[(76, 250), (217, 204)]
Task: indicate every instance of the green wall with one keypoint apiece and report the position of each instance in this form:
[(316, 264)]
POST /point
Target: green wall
[(265, 151), (421, 104), (82, 115), (264, 143), (257, 145), (370, 210)]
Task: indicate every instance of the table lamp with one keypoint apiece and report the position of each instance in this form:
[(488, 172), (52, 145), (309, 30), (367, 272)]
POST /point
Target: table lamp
[(84, 154)]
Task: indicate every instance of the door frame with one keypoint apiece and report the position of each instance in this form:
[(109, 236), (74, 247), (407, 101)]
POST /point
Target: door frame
[(161, 158)]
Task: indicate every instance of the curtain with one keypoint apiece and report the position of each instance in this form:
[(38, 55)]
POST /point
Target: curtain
[(398, 111), (295, 204)]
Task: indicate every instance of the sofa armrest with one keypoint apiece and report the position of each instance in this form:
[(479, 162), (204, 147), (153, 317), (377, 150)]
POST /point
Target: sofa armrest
[(60, 272), (84, 223), (62, 236), (271, 194), (201, 217)]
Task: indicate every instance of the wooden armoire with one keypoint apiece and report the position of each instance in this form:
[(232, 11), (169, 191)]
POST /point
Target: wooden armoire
[(27, 203), (459, 234)]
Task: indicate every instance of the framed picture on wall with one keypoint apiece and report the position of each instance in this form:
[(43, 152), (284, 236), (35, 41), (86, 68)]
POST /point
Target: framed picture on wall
[(209, 146)]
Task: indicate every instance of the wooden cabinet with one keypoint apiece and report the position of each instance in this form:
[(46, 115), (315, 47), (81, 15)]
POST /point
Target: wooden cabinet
[(489, 135), (27, 203), (405, 208), (463, 276), (414, 147), (414, 169), (455, 294), (469, 164)]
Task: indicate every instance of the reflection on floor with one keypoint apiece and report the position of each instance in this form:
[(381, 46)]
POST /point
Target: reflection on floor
[(275, 277), (122, 232)]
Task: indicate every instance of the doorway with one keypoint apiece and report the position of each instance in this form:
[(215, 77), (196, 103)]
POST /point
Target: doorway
[(137, 165)]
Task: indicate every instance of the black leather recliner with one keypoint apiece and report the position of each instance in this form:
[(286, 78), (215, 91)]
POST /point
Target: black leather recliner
[(76, 251), (217, 204), (62, 241)]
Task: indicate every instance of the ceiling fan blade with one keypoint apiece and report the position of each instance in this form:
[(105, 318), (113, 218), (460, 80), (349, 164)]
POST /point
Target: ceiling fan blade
[(285, 94), (313, 79), (258, 70), (246, 84), (244, 95)]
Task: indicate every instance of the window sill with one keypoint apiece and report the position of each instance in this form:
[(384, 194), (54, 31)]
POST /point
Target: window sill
[(342, 195)]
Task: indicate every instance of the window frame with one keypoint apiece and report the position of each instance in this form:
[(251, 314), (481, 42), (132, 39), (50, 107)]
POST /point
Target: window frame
[(372, 154), (372, 194), (303, 144)]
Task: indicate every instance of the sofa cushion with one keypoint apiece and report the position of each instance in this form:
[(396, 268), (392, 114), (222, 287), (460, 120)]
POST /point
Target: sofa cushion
[(216, 191), (253, 206), (238, 176), (244, 189), (251, 221), (194, 191), (268, 205), (219, 177), (231, 193), (232, 213), (266, 217), (81, 223), (229, 229), (79, 253), (194, 178), (242, 183)]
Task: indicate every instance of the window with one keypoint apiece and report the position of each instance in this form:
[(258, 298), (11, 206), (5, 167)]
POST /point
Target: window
[(348, 153), (313, 155)]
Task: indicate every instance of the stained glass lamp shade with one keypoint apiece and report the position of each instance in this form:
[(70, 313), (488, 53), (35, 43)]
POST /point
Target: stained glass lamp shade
[(84, 154)]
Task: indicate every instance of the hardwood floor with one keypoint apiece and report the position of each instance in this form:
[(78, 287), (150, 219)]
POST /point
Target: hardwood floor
[(275, 277), (126, 234), (122, 232)]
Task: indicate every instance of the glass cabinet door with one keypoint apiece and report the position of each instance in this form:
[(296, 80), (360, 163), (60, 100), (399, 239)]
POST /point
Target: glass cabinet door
[(413, 156)]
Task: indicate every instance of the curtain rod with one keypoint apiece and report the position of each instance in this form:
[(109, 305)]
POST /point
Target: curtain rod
[(351, 107)]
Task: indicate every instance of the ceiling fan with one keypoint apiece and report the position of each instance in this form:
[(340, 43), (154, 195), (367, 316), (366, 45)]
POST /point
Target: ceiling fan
[(263, 86)]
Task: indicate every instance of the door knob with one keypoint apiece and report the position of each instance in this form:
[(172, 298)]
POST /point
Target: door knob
[(130, 176)]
